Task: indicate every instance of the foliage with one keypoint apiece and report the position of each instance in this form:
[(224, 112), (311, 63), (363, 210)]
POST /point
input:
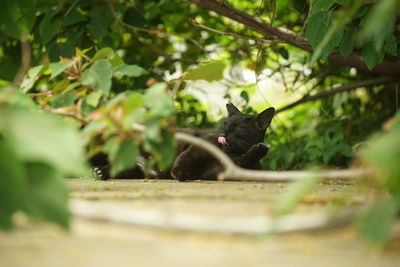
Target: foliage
[(34, 147), (382, 156)]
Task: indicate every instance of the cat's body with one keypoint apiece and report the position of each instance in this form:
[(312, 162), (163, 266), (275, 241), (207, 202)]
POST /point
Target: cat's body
[(240, 137)]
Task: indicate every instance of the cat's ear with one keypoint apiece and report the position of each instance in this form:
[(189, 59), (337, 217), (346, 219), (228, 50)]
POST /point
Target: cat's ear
[(232, 109), (263, 120)]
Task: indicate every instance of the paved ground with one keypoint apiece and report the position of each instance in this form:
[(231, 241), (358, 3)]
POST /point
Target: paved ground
[(100, 243)]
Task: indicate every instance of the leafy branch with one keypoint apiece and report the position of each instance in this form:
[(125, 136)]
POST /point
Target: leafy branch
[(386, 68)]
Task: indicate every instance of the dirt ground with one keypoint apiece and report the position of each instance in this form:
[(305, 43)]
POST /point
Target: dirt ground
[(101, 243)]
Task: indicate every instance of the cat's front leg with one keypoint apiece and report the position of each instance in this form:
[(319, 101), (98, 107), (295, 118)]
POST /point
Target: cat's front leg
[(252, 155), (192, 164), (183, 165)]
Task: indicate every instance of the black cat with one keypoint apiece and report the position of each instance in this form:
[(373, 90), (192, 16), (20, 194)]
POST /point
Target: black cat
[(240, 137)]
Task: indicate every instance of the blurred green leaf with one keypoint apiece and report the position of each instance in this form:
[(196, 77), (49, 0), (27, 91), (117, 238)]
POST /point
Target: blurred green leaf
[(93, 98), (125, 157), (380, 22), (58, 68), (391, 45), (12, 179), (322, 5), (129, 70), (49, 26), (73, 17), (46, 194), (347, 44), (42, 137), (18, 17), (104, 53), (98, 26), (99, 76), (167, 150), (296, 191), (212, 71), (375, 224), (33, 74), (324, 32), (64, 100), (133, 102), (371, 55), (383, 155), (159, 102)]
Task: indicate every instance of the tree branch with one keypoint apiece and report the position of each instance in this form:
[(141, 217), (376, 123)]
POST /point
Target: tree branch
[(25, 63), (234, 35), (220, 7), (250, 225), (340, 89)]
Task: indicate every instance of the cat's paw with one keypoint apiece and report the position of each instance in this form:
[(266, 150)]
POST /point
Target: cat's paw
[(180, 174), (101, 172), (259, 150)]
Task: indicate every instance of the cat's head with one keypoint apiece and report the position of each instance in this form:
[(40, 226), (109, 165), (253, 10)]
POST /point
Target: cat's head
[(240, 131)]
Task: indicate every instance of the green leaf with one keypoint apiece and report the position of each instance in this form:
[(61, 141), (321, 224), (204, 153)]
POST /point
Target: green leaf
[(347, 44), (129, 70), (12, 179), (382, 154), (371, 55), (104, 53), (133, 102), (58, 68), (46, 194), (294, 194), (49, 26), (159, 102), (212, 71), (73, 17), (380, 22), (43, 137), (167, 150), (93, 98), (153, 134), (18, 17), (391, 45), (324, 32), (57, 50), (322, 5), (35, 71), (33, 74), (375, 224), (125, 157), (98, 27), (99, 76), (64, 100)]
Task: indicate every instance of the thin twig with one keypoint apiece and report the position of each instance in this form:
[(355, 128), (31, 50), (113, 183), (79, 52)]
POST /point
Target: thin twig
[(71, 7), (340, 89), (235, 35), (70, 114)]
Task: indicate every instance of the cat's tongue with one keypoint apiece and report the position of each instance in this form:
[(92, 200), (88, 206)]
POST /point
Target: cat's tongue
[(222, 140)]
